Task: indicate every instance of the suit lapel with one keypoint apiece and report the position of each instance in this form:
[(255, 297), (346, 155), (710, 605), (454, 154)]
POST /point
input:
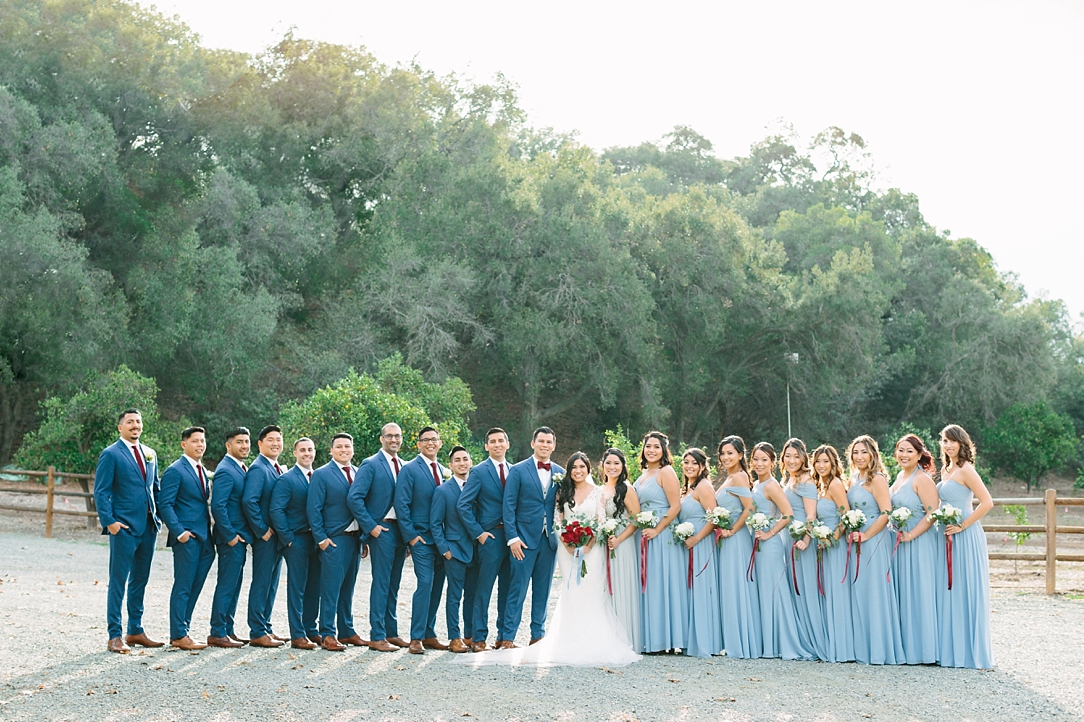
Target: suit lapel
[(494, 475)]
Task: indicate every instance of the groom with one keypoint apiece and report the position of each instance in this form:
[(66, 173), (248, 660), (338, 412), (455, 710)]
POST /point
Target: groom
[(528, 520)]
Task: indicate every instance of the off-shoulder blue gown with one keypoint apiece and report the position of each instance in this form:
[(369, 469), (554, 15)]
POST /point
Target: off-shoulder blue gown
[(836, 599), (703, 631), (807, 600), (665, 603), (876, 616), (740, 604), (914, 580)]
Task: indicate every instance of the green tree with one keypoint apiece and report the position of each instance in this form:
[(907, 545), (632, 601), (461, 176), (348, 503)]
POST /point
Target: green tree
[(1029, 440)]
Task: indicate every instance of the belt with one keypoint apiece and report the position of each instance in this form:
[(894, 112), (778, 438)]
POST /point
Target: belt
[(498, 526), (390, 521), (352, 533)]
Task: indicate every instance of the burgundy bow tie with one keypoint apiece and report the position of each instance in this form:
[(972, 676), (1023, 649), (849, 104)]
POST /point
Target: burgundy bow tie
[(545, 465)]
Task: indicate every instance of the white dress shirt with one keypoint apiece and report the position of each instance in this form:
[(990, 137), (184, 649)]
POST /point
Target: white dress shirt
[(545, 477)]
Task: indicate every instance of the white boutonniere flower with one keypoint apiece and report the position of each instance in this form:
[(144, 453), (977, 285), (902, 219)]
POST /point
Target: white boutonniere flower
[(148, 454), (556, 478), (447, 474)]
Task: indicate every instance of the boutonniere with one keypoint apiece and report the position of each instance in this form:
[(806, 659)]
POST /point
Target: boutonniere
[(446, 474), (148, 454), (556, 478)]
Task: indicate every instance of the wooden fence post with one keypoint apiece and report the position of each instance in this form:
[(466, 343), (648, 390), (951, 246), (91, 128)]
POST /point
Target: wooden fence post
[(49, 503), (1051, 541)]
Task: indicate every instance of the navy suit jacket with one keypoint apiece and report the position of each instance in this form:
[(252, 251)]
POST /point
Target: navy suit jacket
[(373, 492), (481, 505), (120, 491), (289, 510), (226, 493), (414, 498), (527, 514), (182, 504), (449, 533), (256, 501), (328, 508)]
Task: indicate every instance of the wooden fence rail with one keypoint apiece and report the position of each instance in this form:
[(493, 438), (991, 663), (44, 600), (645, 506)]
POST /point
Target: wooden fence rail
[(1050, 528)]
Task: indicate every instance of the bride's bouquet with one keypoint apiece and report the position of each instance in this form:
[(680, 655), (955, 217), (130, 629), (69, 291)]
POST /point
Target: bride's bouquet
[(577, 533), (852, 520)]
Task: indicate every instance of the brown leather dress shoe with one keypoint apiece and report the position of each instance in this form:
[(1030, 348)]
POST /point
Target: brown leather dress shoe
[(223, 642), (354, 640), (187, 643), (381, 645), (434, 643), (416, 647), (281, 639), (266, 642), (468, 641), (458, 646), (536, 640), (398, 642), (142, 640), (235, 638), (316, 639), (302, 643), (332, 645), (478, 646), (506, 644), (116, 644)]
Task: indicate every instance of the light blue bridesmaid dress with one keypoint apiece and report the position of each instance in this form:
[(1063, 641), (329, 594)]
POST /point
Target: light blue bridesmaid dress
[(836, 599), (703, 630), (807, 600), (876, 616), (963, 611), (914, 580), (740, 602), (665, 603), (625, 578), (778, 618)]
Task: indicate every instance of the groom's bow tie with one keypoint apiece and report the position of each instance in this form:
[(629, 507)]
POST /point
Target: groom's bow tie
[(545, 465)]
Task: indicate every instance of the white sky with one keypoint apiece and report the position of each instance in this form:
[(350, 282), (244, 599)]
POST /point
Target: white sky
[(975, 106)]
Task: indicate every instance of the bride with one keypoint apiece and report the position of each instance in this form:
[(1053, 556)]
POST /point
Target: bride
[(585, 631)]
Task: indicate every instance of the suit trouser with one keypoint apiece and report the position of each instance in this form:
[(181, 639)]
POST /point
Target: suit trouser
[(231, 570), (338, 574), (302, 585), (536, 569), (264, 587), (462, 583), (191, 562), (429, 571), (387, 553), (493, 566), (130, 559)]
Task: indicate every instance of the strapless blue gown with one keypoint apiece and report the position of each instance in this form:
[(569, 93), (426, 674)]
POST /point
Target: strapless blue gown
[(836, 599)]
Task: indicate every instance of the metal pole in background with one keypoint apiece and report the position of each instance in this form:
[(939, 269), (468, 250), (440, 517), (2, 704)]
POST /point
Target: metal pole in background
[(789, 435)]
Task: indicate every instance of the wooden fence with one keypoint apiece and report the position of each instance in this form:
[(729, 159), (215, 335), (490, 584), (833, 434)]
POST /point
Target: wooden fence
[(86, 481)]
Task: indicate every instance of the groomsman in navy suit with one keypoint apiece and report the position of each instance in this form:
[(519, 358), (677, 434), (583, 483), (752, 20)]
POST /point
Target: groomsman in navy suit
[(290, 519), (125, 483), (336, 534), (371, 500), (481, 507), (529, 501), (455, 544), (184, 504), (413, 500), (231, 535), (266, 556)]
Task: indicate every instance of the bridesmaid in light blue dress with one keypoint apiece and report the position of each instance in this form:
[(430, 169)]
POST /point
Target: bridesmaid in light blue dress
[(703, 631), (914, 568), (802, 495), (876, 615), (624, 584), (664, 599), (835, 590), (740, 601), (964, 610), (778, 619)]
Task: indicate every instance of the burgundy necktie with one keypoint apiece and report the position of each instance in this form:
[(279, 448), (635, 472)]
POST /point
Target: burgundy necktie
[(278, 470), (501, 467), (545, 465), (436, 476), (139, 460), (349, 476), (395, 460), (202, 480), (243, 467), (310, 475)]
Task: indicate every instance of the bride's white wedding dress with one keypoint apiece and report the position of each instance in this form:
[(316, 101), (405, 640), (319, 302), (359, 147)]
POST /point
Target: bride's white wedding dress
[(584, 631)]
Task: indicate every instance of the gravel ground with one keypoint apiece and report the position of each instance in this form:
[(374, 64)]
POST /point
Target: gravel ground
[(54, 666)]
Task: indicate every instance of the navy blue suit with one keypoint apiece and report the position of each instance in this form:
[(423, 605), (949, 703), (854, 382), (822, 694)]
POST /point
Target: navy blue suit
[(266, 555), (528, 514), (122, 492), (289, 513), (451, 535), (329, 516), (481, 507), (227, 490), (413, 500), (183, 504), (371, 497)]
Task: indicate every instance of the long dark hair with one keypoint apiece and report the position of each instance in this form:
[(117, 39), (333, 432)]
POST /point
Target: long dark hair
[(702, 460), (739, 446), (566, 492), (799, 446), (663, 439), (836, 472), (620, 487), (925, 458), (956, 433)]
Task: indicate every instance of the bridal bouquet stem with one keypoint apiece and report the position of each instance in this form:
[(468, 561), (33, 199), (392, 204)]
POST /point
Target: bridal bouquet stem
[(897, 519), (798, 530), (947, 515), (825, 538), (606, 531), (720, 517), (683, 532), (852, 520), (758, 521)]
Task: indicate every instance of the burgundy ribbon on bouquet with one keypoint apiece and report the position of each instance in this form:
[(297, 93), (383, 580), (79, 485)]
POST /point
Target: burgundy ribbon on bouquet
[(752, 558), (643, 564), (689, 577), (948, 558), (820, 570), (888, 574), (718, 535), (857, 559), (794, 571), (609, 584), (847, 564)]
